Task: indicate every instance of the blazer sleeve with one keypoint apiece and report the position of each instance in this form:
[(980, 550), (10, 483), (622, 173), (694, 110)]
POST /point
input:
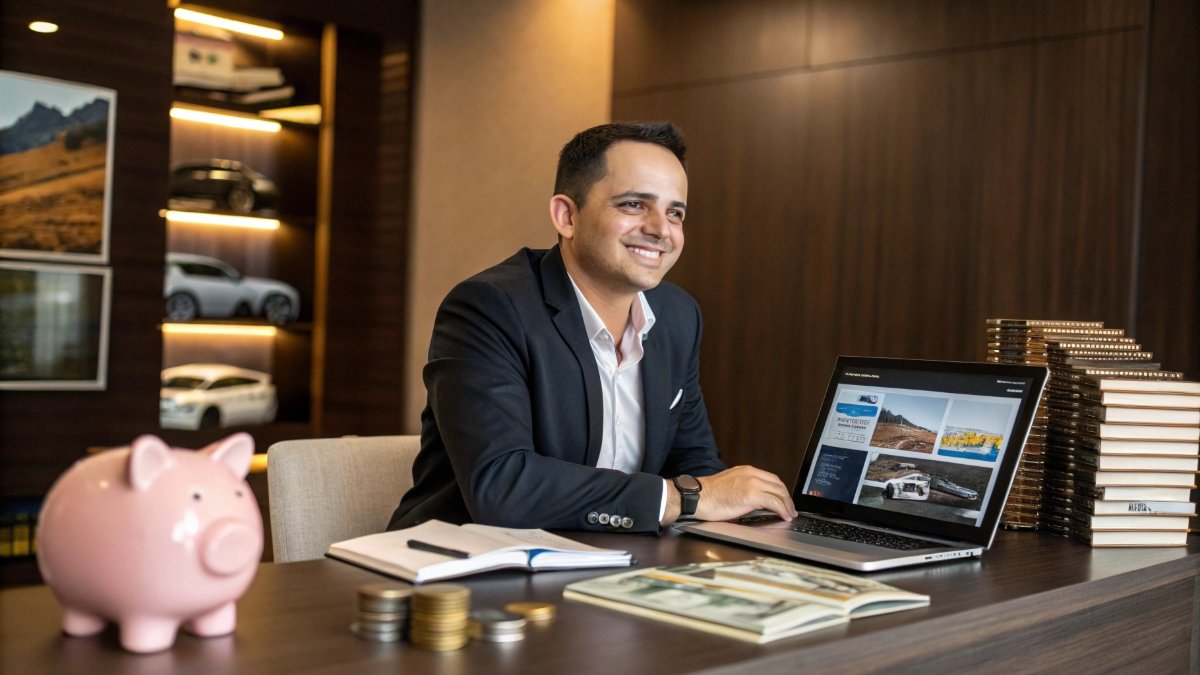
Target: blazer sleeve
[(479, 394), (693, 449)]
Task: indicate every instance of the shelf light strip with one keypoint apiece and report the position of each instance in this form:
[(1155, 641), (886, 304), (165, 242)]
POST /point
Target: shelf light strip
[(235, 121), (217, 329), (228, 24), (222, 220)]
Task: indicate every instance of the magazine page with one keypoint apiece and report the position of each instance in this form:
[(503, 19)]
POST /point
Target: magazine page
[(753, 612), (858, 595)]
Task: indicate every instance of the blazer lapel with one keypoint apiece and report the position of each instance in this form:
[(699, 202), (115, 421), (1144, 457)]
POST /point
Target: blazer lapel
[(656, 397), (568, 319)]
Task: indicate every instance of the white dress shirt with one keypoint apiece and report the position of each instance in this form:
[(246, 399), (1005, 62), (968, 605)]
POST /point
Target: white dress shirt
[(623, 445)]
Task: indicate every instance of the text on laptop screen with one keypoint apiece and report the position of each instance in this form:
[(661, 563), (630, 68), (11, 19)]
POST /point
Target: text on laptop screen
[(917, 443)]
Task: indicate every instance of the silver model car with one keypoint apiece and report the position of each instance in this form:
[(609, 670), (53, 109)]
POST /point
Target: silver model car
[(205, 395), (955, 489), (198, 286)]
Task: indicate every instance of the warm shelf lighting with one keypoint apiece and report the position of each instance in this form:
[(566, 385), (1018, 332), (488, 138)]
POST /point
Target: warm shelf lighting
[(43, 27), (299, 114), (217, 329), (220, 219), (235, 121), (243, 27)]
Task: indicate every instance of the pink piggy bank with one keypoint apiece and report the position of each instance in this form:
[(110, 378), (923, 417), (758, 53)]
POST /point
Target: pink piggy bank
[(150, 538)]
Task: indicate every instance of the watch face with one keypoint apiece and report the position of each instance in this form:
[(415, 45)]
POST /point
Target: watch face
[(689, 483)]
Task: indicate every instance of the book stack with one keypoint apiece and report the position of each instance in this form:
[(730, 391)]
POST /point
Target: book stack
[(1123, 453), (1029, 342)]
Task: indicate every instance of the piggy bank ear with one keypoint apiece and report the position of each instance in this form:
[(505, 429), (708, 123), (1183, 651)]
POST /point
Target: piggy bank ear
[(236, 452), (148, 458)]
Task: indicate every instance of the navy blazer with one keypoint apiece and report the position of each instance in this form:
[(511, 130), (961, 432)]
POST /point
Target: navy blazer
[(513, 425)]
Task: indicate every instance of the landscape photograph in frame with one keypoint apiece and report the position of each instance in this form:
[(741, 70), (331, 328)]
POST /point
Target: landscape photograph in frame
[(56, 155), (53, 325)]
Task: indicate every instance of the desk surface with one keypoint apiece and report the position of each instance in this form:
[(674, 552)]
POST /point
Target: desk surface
[(1032, 599)]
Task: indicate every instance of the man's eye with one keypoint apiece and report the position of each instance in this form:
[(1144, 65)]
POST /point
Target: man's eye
[(630, 205), (678, 215)]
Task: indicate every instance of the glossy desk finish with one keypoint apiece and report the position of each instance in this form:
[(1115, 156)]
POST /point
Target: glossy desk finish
[(1032, 603)]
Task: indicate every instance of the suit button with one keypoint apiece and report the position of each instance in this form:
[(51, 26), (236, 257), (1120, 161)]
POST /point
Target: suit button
[(593, 517), (614, 522), (627, 522), (603, 518)]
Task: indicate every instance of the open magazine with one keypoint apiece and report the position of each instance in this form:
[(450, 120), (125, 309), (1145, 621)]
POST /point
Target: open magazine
[(758, 600)]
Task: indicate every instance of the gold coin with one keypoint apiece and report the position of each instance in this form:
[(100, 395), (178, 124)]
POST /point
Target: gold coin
[(532, 611)]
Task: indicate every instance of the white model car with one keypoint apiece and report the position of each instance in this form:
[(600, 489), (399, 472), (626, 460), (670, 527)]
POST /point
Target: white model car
[(198, 286), (205, 395), (912, 486)]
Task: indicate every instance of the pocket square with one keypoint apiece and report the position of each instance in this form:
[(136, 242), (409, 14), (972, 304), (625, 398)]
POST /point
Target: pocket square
[(676, 401)]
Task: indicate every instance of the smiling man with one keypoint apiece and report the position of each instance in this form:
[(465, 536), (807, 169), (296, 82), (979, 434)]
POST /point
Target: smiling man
[(563, 384)]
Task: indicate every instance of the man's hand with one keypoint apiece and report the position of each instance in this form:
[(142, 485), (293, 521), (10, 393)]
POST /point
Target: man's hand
[(735, 492)]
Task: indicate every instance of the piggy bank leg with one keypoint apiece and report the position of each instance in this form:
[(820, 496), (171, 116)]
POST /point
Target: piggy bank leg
[(220, 621), (148, 634), (81, 624)]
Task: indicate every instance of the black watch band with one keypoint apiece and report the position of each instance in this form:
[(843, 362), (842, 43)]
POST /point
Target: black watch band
[(689, 494)]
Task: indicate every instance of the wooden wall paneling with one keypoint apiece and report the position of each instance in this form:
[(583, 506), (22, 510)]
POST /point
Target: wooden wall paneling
[(43, 433), (1168, 320), (668, 42), (889, 208), (365, 336), (852, 30)]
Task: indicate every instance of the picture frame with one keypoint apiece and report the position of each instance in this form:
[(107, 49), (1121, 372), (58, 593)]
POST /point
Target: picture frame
[(54, 326), (56, 169)]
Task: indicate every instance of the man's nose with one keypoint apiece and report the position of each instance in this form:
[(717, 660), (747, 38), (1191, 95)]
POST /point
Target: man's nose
[(656, 225)]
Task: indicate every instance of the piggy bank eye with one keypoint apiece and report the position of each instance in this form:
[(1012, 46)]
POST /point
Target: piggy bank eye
[(238, 493), (195, 496)]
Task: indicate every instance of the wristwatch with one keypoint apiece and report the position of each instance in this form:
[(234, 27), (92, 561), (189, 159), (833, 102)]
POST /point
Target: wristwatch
[(689, 494)]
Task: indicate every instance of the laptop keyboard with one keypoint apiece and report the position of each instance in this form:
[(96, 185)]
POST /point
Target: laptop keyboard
[(846, 532)]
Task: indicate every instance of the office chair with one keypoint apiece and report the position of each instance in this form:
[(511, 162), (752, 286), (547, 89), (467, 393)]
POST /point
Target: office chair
[(324, 490)]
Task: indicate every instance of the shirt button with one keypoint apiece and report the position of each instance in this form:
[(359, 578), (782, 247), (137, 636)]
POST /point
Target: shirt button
[(603, 519), (593, 517), (627, 522)]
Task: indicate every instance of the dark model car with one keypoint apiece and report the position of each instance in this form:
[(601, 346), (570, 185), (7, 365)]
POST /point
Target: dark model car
[(229, 184)]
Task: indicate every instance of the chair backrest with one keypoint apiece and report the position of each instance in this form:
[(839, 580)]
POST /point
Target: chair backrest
[(324, 490)]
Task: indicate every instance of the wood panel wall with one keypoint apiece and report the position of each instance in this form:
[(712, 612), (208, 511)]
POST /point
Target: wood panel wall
[(871, 177)]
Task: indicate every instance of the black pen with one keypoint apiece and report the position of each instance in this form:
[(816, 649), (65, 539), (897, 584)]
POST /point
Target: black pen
[(432, 548)]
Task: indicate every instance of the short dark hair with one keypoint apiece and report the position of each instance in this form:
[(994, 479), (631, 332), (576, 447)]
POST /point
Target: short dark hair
[(581, 162)]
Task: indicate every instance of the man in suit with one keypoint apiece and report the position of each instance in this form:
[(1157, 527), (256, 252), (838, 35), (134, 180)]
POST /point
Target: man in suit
[(563, 384)]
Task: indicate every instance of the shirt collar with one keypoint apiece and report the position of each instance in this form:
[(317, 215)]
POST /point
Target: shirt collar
[(641, 317)]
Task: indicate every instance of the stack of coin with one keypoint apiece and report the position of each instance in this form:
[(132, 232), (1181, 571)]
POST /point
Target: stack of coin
[(439, 617), (382, 612), (493, 625), (534, 612)]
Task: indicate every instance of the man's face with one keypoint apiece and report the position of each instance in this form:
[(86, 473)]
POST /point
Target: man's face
[(629, 232)]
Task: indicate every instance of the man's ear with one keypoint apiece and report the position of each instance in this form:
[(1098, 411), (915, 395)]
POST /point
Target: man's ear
[(562, 214)]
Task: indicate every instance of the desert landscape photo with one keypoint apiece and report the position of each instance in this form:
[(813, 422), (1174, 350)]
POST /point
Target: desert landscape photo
[(908, 422)]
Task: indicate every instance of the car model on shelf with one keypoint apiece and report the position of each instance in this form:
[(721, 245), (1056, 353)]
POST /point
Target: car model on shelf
[(208, 395), (197, 286), (224, 184), (912, 486)]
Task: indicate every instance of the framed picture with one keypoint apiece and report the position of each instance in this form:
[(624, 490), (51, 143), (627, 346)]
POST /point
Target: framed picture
[(56, 157), (53, 325)]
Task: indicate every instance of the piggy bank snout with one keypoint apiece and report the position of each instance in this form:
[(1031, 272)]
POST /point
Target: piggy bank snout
[(230, 546)]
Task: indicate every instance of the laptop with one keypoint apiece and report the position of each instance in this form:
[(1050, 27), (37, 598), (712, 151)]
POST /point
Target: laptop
[(909, 462)]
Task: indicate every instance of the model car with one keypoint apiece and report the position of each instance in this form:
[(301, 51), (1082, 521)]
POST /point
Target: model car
[(912, 486), (227, 183), (955, 489), (198, 286), (206, 395)]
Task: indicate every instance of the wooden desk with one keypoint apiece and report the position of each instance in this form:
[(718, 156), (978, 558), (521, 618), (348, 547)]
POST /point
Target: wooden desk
[(1033, 602)]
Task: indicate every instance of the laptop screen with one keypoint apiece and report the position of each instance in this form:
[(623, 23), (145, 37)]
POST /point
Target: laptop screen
[(928, 446)]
